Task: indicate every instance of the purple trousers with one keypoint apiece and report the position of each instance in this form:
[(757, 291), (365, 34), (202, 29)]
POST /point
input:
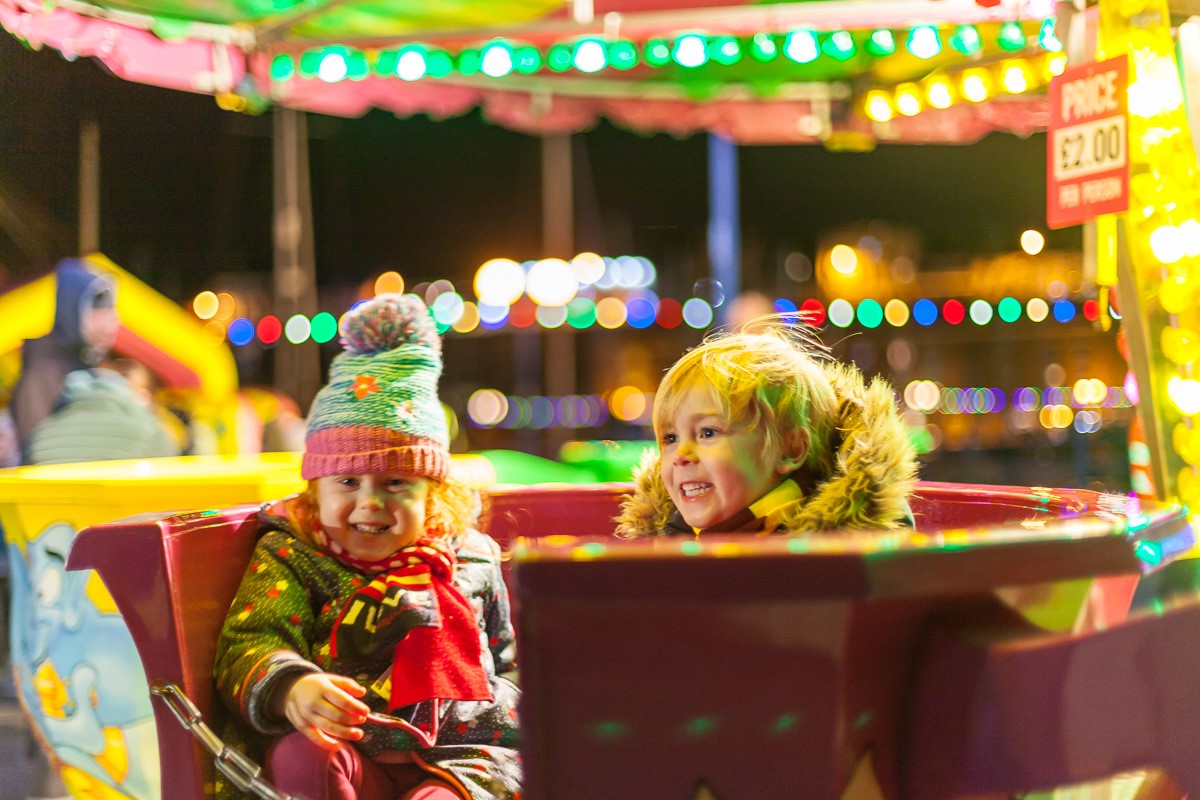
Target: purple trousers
[(297, 766)]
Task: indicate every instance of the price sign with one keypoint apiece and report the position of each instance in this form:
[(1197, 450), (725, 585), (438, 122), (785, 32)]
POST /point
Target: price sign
[(1087, 149)]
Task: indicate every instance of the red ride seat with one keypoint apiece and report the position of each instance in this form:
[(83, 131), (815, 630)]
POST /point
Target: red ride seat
[(173, 578)]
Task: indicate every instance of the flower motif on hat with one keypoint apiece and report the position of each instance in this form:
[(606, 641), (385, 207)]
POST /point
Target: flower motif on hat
[(364, 385), (404, 411)]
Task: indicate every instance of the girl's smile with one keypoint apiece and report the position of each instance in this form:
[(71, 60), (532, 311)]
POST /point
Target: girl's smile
[(372, 516)]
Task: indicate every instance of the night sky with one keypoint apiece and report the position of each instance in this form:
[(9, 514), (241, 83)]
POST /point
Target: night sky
[(186, 188)]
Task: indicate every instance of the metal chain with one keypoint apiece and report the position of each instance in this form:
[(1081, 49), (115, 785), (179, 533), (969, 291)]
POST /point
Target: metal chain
[(236, 766)]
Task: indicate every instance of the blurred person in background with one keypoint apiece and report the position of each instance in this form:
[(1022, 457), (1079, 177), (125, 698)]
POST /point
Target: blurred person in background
[(105, 413), (85, 329)]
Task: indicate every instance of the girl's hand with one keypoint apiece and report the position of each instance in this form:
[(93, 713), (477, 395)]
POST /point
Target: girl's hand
[(324, 707)]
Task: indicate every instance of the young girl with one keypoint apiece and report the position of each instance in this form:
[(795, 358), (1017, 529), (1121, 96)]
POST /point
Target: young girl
[(764, 432), (370, 636)]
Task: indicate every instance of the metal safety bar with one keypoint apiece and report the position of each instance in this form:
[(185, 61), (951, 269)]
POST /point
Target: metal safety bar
[(236, 766)]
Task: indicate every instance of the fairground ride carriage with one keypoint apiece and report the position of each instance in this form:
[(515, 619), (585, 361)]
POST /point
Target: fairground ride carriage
[(992, 654)]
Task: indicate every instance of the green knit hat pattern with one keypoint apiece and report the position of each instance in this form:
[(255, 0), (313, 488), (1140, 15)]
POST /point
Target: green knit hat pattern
[(380, 410)]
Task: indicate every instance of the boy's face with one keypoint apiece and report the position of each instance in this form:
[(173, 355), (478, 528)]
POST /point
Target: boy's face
[(714, 467), (372, 516)]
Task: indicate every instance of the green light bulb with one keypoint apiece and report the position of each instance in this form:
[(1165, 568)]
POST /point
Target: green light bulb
[(839, 46), (1011, 37), (468, 62), (283, 68), (658, 53), (965, 40), (881, 43), (559, 57), (924, 41), (724, 50), (763, 47), (528, 59), (309, 62), (439, 63), (589, 56), (1048, 39), (801, 47), (496, 59), (357, 67), (690, 51), (622, 54)]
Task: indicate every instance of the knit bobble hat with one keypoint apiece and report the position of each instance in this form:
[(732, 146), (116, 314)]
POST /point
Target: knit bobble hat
[(380, 410)]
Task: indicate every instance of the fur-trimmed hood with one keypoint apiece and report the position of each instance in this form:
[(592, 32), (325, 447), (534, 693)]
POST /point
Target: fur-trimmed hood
[(874, 469)]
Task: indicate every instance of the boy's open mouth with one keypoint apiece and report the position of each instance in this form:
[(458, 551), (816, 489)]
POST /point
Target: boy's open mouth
[(370, 529), (694, 489)]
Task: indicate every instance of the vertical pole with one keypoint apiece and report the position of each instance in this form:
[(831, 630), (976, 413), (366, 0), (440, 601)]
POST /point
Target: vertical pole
[(297, 367), (558, 240), (89, 187), (724, 226)]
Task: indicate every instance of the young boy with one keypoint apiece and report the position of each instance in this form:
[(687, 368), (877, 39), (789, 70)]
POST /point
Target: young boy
[(763, 432)]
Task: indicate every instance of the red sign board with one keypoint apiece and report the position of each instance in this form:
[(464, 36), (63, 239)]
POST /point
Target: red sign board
[(1087, 144)]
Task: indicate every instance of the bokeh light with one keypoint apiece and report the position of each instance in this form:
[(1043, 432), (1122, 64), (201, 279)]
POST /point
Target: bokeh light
[(487, 407), (468, 320), (389, 283), (241, 331), (297, 329), (499, 282), (844, 259), (324, 327), (269, 329), (629, 404), (812, 311), (205, 305), (925, 312), (896, 312), (1032, 242), (670, 313), (610, 313), (1009, 309), (551, 282), (841, 313), (697, 313), (588, 268), (981, 312), (551, 316)]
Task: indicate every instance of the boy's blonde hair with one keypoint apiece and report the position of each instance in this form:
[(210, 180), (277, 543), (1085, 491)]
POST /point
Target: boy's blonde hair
[(770, 378), (451, 507)]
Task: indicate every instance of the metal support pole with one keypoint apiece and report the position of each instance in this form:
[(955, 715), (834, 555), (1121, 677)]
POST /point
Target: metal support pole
[(724, 225), (558, 241), (89, 187), (297, 367)]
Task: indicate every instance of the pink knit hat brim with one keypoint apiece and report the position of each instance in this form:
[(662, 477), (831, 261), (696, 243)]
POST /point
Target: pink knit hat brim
[(358, 450)]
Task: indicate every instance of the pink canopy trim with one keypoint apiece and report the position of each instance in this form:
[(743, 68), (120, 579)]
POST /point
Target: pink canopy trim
[(131, 53), (195, 65)]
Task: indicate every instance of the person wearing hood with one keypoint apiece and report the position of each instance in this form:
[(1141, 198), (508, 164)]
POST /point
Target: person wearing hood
[(763, 432), (85, 329)]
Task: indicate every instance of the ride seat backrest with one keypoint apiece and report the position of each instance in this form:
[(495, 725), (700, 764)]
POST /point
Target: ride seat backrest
[(173, 579), (1009, 707), (946, 506)]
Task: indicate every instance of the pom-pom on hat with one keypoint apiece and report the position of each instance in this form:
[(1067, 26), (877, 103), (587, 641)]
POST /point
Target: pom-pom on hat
[(380, 410)]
